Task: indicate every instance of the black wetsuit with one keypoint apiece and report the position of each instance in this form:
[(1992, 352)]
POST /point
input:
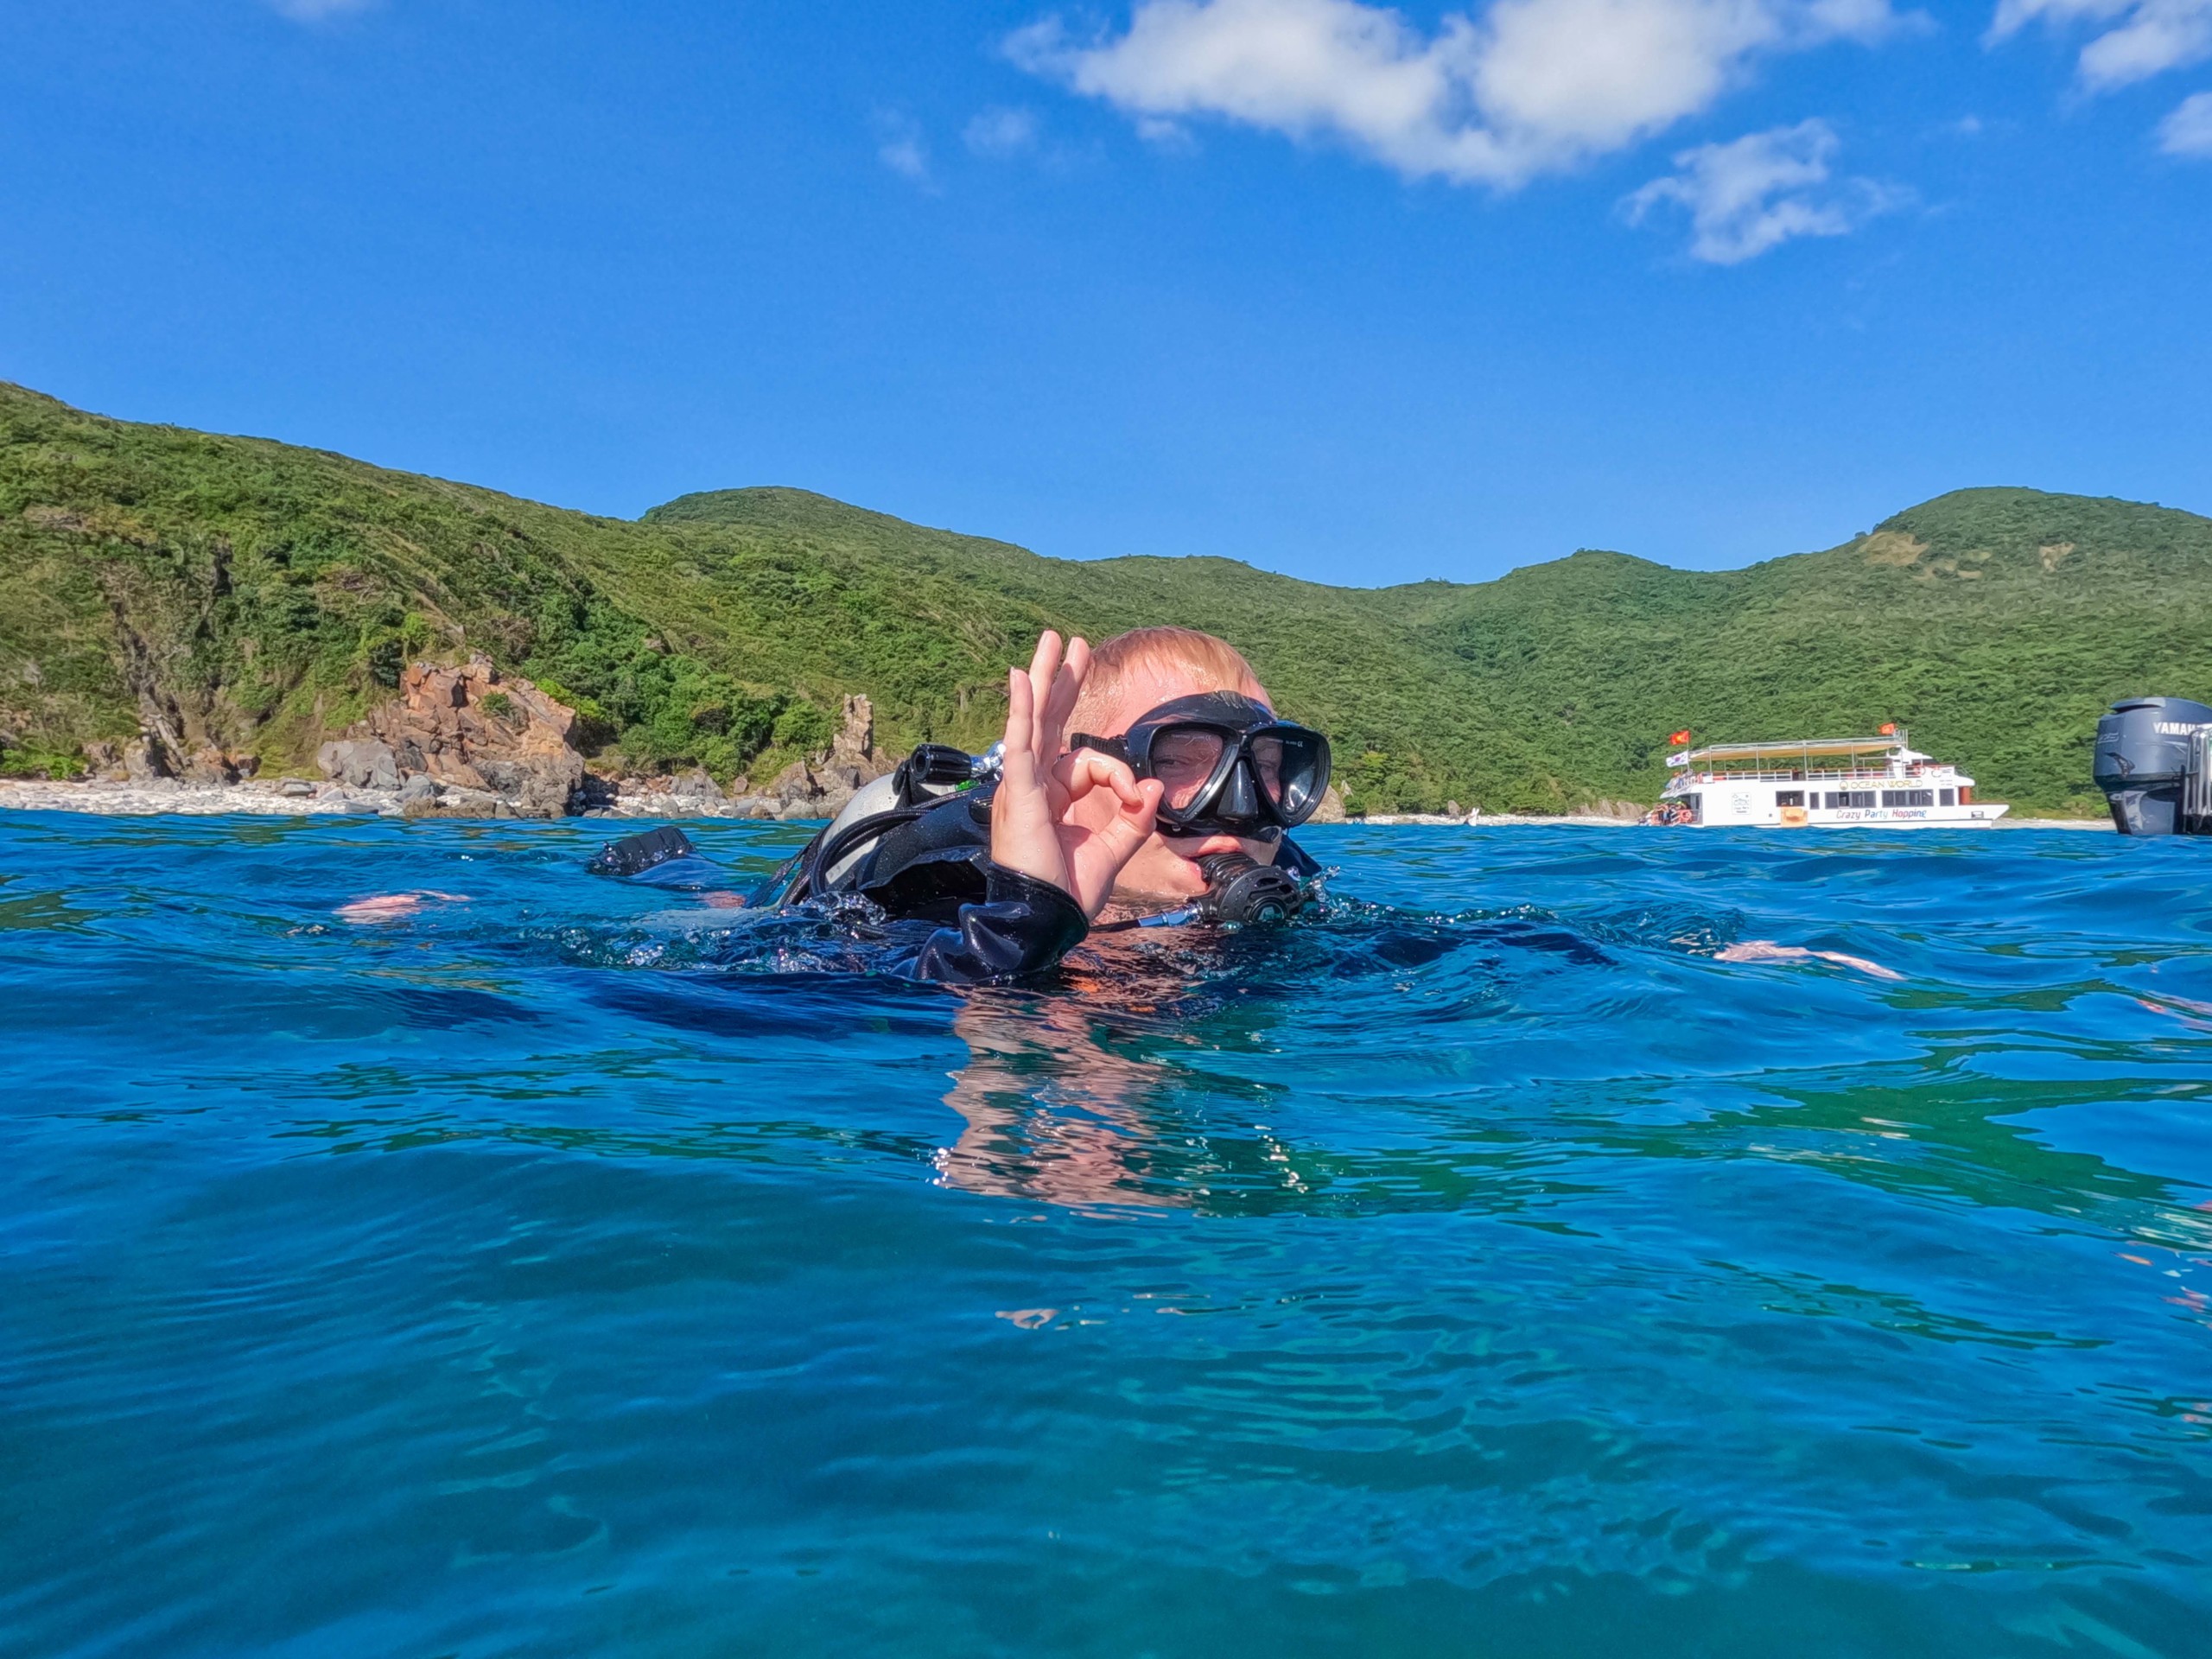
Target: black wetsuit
[(928, 864)]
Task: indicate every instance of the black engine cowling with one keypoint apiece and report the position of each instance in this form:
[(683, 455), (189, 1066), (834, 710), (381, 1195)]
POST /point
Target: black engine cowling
[(2151, 764)]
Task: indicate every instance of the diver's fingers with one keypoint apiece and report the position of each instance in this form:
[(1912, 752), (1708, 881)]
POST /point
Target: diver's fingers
[(1080, 771), (1024, 835), (1143, 812), (1019, 791), (1067, 686), (1044, 667), (1021, 714), (1060, 779), (1129, 829)]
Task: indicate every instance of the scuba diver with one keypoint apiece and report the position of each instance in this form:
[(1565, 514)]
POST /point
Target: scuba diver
[(1147, 784)]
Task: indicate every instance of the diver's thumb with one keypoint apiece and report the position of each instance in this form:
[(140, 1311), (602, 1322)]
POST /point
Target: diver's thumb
[(1131, 826), (1142, 815)]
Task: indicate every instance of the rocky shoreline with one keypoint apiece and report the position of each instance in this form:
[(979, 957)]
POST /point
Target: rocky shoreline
[(465, 740), (297, 798), (461, 741)]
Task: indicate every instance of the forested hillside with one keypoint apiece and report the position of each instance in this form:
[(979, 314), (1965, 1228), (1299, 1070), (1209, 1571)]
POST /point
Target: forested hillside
[(259, 596)]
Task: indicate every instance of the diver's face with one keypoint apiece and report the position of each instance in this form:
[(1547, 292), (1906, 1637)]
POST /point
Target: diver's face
[(1166, 867)]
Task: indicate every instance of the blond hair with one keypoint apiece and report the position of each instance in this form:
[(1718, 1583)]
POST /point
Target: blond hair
[(1212, 661)]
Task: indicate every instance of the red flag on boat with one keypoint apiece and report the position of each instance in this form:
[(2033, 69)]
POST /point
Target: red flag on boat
[(1678, 737), (1889, 728)]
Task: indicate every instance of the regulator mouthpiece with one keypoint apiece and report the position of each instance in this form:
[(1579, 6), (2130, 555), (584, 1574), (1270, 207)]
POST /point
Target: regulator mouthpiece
[(1240, 889)]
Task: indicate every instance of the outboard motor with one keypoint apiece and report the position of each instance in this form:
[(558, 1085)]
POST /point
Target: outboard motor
[(2152, 765)]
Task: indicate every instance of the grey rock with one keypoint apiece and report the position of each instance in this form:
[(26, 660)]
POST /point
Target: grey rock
[(298, 789), (210, 766), (794, 783), (696, 785), (456, 801), (419, 787), (854, 744), (144, 760), (538, 784), (359, 763)]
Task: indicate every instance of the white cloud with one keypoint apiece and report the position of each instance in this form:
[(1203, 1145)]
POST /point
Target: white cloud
[(314, 11), (1531, 87), (1757, 192), (1001, 132), (2188, 130), (2151, 36), (901, 147)]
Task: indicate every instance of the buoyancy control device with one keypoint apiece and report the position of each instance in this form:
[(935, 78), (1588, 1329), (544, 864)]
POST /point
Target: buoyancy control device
[(901, 805), (911, 842), (2154, 765)]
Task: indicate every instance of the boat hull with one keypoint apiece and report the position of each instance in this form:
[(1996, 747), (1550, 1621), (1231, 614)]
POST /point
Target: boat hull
[(1979, 815)]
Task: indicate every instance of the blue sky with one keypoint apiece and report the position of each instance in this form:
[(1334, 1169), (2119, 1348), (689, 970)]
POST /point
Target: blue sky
[(1359, 295)]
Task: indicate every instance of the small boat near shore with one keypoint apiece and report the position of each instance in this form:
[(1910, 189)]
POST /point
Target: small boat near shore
[(1818, 782)]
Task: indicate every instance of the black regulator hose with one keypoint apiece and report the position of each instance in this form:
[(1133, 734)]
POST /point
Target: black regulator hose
[(1242, 889)]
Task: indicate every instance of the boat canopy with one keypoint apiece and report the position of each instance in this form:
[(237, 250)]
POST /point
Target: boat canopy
[(1723, 753)]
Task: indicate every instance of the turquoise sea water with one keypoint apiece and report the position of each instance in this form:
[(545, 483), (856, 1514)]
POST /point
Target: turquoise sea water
[(1488, 1267)]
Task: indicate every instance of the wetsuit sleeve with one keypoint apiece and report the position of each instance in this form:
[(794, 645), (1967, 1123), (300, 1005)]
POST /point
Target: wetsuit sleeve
[(1023, 926)]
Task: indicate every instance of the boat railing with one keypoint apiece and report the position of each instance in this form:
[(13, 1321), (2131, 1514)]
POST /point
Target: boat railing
[(1796, 775)]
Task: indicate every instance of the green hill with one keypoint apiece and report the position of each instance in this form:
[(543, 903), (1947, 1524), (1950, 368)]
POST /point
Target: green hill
[(258, 596)]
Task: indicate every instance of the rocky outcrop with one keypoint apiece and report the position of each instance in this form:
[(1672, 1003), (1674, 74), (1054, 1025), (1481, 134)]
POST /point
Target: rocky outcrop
[(820, 789), (815, 788), (483, 744), (854, 744), (145, 760), (359, 763), (210, 765), (468, 741), (800, 791)]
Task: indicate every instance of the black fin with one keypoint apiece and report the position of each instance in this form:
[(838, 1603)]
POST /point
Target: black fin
[(635, 854)]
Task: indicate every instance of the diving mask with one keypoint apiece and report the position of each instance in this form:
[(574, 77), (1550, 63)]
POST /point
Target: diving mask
[(1226, 766)]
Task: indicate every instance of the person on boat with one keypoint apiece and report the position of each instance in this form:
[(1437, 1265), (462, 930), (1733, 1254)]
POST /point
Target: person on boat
[(1147, 783)]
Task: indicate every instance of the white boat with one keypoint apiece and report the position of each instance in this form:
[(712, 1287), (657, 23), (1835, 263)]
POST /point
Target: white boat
[(1826, 781)]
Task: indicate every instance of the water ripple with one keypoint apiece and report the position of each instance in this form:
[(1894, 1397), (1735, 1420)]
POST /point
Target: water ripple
[(1565, 1242)]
